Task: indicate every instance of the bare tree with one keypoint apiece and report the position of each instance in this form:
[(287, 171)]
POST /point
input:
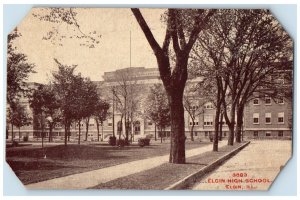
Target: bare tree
[(193, 106), (183, 37), (127, 97), (245, 47)]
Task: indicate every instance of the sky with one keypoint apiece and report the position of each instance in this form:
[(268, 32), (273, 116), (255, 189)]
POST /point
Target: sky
[(113, 51)]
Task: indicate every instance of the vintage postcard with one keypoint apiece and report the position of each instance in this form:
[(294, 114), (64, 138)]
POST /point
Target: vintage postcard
[(149, 99)]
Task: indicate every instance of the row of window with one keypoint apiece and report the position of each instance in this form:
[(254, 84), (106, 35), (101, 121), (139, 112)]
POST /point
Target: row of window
[(208, 133), (268, 118), (268, 101), (207, 121), (268, 134)]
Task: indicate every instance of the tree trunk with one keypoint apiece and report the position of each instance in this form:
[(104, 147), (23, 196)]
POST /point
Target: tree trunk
[(98, 131), (50, 131), (177, 151), (155, 131), (192, 130), (87, 128), (216, 135), (131, 129), (161, 135), (69, 132), (113, 116), (126, 128), (102, 136), (217, 118), (42, 136), (12, 132), (239, 123), (19, 134), (66, 132), (79, 131), (231, 125), (221, 127), (120, 132)]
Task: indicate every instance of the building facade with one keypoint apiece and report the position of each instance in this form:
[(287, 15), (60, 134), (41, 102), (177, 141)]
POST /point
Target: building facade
[(263, 117)]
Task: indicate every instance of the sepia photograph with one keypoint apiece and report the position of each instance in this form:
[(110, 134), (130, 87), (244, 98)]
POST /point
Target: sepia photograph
[(149, 99)]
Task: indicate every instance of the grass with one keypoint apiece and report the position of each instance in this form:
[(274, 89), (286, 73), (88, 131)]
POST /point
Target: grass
[(29, 164), (161, 177)]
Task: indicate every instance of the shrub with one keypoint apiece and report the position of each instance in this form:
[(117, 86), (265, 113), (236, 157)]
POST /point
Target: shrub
[(144, 142), (112, 140), (25, 138), (121, 143), (126, 142)]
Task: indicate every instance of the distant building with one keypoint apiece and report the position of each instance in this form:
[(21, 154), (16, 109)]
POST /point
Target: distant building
[(263, 117)]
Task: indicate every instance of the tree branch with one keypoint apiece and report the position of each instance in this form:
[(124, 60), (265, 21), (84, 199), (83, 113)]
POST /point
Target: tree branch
[(198, 25), (148, 34)]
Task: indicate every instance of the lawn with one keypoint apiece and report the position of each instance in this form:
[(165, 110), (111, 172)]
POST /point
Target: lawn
[(30, 166), (159, 178)]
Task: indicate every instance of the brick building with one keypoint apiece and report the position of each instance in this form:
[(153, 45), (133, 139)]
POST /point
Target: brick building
[(263, 117)]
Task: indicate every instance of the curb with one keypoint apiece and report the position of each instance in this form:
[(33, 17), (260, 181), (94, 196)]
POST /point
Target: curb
[(192, 178)]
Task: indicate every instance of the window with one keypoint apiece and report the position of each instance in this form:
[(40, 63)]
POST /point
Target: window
[(225, 134), (194, 108), (58, 125), (206, 133), (280, 133), (268, 118), (208, 105), (255, 133), (137, 127), (255, 102), (255, 118), (268, 134), (196, 121), (208, 120), (109, 124), (267, 100), (150, 123), (196, 133), (281, 118), (280, 100)]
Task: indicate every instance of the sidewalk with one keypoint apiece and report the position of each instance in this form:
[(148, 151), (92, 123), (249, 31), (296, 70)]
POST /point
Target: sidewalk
[(259, 164), (96, 177)]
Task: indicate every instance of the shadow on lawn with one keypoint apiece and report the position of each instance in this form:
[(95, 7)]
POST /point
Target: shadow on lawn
[(70, 152), (35, 165)]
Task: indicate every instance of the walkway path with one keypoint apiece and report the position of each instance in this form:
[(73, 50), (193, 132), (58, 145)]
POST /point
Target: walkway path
[(260, 162), (95, 177)]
